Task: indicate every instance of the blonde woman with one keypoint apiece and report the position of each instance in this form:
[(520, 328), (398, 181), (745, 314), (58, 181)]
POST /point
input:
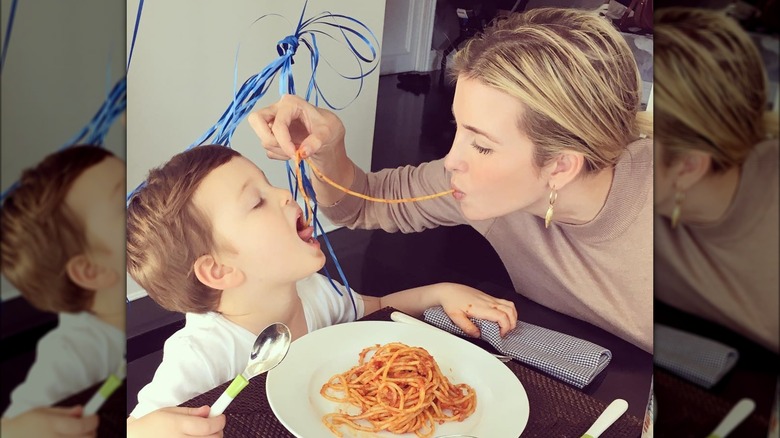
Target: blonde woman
[(547, 163), (716, 175)]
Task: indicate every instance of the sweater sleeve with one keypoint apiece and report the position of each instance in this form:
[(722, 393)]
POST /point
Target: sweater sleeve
[(403, 182)]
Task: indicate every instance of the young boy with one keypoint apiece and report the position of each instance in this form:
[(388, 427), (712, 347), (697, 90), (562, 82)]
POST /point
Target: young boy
[(62, 247), (210, 237)]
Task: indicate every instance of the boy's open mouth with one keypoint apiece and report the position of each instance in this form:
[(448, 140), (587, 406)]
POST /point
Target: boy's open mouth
[(305, 233)]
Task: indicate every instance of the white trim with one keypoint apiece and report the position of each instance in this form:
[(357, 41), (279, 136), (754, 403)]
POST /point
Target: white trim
[(422, 62), (650, 100), (8, 290), (132, 296)]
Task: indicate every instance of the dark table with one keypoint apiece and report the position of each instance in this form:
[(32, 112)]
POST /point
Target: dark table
[(685, 410), (556, 409)]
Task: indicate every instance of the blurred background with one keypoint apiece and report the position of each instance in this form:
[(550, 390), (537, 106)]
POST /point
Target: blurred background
[(62, 59)]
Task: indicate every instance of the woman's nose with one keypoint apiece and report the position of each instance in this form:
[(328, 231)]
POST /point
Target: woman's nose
[(453, 161)]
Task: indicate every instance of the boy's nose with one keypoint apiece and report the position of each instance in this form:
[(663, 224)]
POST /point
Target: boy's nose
[(285, 196)]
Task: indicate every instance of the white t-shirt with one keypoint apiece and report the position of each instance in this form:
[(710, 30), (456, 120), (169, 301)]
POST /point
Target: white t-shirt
[(211, 350), (80, 352)]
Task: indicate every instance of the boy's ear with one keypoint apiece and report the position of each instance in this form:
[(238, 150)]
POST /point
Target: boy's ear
[(89, 275), (217, 275)]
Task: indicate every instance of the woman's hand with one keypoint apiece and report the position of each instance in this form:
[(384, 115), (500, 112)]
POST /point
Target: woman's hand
[(462, 302), (292, 123)]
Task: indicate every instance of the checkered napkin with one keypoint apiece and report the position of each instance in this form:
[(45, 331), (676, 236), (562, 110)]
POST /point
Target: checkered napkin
[(692, 357), (565, 357)]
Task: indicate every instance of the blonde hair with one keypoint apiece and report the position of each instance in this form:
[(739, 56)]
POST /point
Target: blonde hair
[(575, 76), (710, 87)]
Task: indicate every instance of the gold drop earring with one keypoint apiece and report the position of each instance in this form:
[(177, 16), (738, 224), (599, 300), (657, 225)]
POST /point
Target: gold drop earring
[(549, 215), (679, 197)]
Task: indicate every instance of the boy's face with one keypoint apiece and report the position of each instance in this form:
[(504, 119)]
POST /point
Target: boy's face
[(97, 199), (257, 227)]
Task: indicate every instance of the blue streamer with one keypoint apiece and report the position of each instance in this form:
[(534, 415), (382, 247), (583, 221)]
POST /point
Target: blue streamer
[(11, 15), (135, 34)]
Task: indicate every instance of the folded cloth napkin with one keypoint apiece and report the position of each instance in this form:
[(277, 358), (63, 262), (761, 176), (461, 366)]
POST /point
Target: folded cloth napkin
[(692, 357), (575, 361)]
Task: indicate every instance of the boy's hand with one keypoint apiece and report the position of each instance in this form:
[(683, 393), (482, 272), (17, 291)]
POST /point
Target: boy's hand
[(51, 422), (177, 422), (462, 302)]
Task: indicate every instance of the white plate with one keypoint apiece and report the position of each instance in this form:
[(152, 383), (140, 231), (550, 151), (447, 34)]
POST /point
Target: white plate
[(293, 387)]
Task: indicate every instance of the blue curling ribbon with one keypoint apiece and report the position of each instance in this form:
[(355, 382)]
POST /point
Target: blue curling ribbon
[(135, 34), (255, 87), (11, 15)]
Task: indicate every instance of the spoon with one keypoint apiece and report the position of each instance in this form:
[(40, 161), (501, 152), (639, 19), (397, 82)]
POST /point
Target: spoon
[(736, 415), (609, 416), (270, 348)]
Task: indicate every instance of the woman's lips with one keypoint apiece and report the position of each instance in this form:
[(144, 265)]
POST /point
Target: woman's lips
[(457, 194)]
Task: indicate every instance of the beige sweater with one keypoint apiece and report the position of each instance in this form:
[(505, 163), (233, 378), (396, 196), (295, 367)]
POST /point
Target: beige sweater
[(727, 272), (600, 272)]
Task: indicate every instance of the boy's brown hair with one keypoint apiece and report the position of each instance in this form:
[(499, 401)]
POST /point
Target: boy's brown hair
[(166, 232), (40, 234)]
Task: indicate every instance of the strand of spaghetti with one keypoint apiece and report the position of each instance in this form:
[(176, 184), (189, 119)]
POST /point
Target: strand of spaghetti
[(371, 198)]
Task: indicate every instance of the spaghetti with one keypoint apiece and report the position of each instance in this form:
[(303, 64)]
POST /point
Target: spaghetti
[(299, 158), (399, 389)]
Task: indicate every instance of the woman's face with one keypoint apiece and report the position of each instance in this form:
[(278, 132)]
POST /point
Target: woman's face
[(491, 161)]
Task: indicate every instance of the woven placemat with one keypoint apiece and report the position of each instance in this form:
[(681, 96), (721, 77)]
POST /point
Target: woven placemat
[(249, 415), (113, 421), (557, 410), (685, 410)]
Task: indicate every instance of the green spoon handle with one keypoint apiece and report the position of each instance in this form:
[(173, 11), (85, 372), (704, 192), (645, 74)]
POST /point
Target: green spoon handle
[(230, 393)]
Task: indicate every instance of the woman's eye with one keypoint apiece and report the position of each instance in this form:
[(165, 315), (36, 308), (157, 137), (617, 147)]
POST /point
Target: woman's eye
[(481, 150)]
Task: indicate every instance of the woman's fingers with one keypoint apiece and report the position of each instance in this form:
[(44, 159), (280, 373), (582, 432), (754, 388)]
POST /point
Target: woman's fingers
[(509, 308), (262, 122), (461, 319), (500, 311)]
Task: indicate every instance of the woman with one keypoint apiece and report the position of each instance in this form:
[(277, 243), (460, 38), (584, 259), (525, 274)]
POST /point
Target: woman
[(717, 174), (546, 105)]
